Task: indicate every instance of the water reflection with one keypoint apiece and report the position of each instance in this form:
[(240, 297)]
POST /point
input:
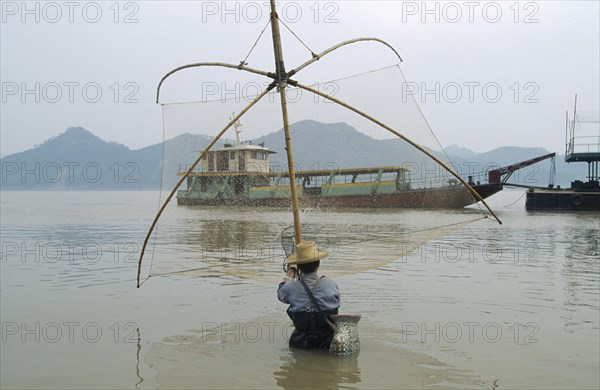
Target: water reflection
[(244, 243), (317, 369), (223, 234), (581, 266), (137, 359)]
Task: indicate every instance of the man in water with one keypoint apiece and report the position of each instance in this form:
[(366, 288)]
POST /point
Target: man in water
[(312, 299)]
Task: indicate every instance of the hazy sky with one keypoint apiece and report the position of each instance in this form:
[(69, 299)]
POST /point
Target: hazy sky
[(498, 73)]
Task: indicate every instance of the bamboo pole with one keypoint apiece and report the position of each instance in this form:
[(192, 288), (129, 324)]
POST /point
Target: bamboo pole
[(216, 64), (190, 170), (281, 79), (322, 54), (367, 116)]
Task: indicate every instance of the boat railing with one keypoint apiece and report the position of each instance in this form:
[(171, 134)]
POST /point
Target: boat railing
[(432, 183), (584, 144), (183, 168), (221, 167)]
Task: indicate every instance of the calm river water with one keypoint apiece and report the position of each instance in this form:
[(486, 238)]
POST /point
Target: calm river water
[(478, 306)]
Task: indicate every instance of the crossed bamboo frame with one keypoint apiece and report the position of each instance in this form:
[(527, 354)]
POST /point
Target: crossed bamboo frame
[(281, 79)]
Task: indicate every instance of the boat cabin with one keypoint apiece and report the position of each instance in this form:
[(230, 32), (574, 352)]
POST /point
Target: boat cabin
[(244, 157)]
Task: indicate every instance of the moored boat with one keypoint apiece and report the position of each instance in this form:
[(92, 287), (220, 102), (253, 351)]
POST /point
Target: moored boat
[(581, 146), (240, 175)]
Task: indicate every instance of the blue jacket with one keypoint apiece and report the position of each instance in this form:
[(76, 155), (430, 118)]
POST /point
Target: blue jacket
[(327, 293)]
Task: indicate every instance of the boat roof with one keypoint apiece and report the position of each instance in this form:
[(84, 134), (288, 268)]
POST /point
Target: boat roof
[(247, 146), (312, 173)]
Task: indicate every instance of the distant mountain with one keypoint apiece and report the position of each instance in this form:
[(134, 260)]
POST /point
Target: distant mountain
[(327, 146), (77, 142), (79, 160), (75, 159), (455, 150)]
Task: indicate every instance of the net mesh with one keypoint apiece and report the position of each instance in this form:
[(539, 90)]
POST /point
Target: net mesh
[(365, 195)]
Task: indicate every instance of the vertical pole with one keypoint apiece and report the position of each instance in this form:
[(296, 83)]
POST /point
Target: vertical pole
[(573, 123), (281, 85), (566, 135)]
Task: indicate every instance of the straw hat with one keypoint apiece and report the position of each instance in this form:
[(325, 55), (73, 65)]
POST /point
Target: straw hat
[(306, 252)]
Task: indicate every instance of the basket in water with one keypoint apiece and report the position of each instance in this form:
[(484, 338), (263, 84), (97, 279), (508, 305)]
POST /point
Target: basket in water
[(345, 335)]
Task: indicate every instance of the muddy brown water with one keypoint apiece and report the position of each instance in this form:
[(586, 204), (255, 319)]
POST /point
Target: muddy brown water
[(476, 306)]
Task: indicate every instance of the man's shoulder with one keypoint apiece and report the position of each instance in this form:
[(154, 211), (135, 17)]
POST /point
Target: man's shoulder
[(327, 281), (292, 285)]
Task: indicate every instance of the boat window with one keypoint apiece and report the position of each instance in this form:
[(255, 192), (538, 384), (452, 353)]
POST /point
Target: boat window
[(232, 155), (259, 155)]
